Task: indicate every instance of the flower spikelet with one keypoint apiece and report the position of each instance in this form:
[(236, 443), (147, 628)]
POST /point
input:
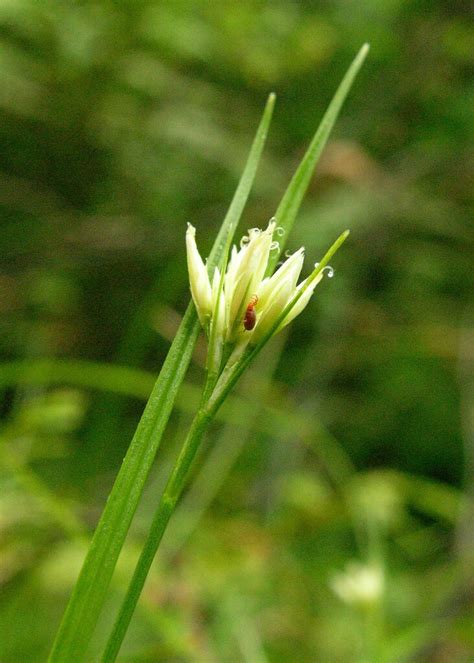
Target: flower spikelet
[(246, 286)]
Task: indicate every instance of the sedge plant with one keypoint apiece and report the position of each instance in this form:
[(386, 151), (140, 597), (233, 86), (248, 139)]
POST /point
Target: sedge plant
[(241, 302)]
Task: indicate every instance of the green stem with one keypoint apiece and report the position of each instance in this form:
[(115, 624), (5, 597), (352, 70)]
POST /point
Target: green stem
[(166, 507), (168, 501), (89, 593)]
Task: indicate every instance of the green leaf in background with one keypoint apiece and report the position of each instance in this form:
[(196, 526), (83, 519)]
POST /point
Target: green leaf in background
[(90, 591)]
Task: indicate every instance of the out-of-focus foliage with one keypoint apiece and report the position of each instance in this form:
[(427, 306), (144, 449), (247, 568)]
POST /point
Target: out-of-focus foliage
[(120, 122)]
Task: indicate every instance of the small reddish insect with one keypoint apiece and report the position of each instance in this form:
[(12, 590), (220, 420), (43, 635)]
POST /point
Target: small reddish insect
[(250, 315)]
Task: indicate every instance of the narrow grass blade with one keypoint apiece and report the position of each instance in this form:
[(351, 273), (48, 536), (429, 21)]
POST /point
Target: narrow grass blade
[(90, 591), (137, 383), (120, 380), (293, 196), (224, 242), (237, 205)]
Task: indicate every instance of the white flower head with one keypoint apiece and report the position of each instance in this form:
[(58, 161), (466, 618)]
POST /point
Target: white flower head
[(249, 302), (244, 275), (359, 584)]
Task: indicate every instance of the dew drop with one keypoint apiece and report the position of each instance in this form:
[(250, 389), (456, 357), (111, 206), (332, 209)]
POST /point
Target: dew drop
[(330, 271)]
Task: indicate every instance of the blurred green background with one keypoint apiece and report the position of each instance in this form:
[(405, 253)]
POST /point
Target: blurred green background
[(352, 442)]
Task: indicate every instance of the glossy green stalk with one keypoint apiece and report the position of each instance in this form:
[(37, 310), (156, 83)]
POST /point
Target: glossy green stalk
[(161, 518)]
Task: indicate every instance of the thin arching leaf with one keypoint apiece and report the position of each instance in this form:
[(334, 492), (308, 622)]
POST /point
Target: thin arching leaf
[(90, 591), (293, 196)]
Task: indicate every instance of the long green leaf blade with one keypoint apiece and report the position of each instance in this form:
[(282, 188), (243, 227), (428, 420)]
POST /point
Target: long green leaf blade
[(90, 591), (243, 189), (293, 196)]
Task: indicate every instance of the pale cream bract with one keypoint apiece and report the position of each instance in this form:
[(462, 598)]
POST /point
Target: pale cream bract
[(198, 278)]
